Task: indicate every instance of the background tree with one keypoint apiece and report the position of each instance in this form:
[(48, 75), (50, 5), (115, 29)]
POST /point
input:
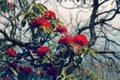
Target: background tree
[(102, 31)]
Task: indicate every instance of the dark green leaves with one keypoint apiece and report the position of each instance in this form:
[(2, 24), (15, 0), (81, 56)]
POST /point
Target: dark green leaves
[(4, 6)]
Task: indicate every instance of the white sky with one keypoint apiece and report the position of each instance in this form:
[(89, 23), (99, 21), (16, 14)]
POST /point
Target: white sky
[(64, 14)]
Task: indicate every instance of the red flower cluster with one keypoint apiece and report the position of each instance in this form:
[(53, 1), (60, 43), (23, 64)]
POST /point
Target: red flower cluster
[(36, 22), (13, 65), (26, 69), (61, 29), (6, 78), (42, 50), (80, 39), (11, 52), (50, 14), (65, 40), (53, 71), (45, 23)]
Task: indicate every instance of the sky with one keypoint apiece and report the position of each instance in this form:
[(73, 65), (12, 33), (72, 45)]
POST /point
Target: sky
[(84, 14)]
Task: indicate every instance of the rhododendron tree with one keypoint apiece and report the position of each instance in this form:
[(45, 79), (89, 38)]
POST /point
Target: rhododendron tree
[(40, 48)]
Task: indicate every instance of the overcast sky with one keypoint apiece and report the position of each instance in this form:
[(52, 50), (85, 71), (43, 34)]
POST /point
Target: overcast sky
[(64, 14)]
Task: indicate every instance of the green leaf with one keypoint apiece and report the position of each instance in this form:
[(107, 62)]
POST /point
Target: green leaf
[(54, 46), (45, 60), (14, 72), (49, 30), (41, 8), (92, 52), (29, 15), (44, 29), (35, 30), (59, 22), (4, 6), (87, 50)]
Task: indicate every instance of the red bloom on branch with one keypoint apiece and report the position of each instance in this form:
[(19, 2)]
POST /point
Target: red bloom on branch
[(35, 22), (42, 50), (61, 29), (13, 65), (80, 39), (65, 40), (11, 52), (53, 71), (45, 23), (26, 69), (50, 14), (6, 78)]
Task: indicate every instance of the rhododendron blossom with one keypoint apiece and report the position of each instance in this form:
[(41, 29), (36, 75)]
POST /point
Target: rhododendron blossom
[(53, 71), (13, 65), (50, 14), (80, 39), (26, 69), (11, 52), (42, 50), (45, 23), (65, 40), (61, 29), (36, 22), (6, 78)]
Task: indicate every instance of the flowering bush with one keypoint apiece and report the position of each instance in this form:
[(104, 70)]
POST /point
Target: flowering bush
[(47, 35)]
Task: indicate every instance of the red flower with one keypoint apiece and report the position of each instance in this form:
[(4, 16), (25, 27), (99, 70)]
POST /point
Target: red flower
[(61, 29), (35, 22), (13, 65), (65, 40), (26, 69), (80, 39), (6, 78), (42, 50), (11, 52), (53, 71), (45, 23), (50, 14)]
